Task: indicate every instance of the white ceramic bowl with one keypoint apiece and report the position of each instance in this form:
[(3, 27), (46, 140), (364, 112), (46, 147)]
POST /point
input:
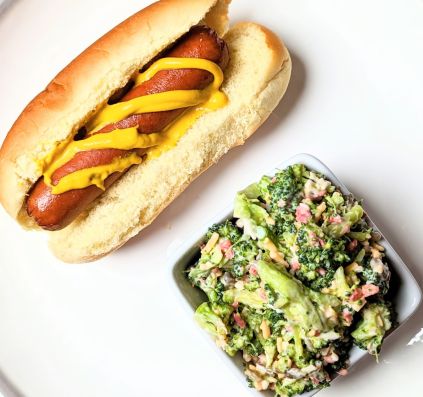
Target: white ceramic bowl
[(407, 294)]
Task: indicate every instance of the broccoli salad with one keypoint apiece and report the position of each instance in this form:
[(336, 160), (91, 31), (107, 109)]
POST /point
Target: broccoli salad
[(293, 281)]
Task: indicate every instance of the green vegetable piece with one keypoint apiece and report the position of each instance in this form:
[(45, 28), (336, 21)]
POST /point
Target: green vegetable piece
[(263, 186), (298, 170), (299, 308), (239, 341), (290, 387), (336, 200), (360, 256), (339, 286), (249, 298), (222, 310), (225, 230), (247, 208), (209, 321), (370, 331), (337, 230), (253, 216), (299, 350), (360, 236), (354, 214), (324, 300), (371, 275), (269, 351), (252, 192), (195, 274), (216, 255), (253, 319)]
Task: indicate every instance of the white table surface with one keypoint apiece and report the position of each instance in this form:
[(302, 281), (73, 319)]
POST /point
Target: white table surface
[(114, 328)]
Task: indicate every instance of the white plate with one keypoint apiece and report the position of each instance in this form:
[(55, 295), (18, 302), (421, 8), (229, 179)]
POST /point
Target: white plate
[(354, 100), (407, 294)]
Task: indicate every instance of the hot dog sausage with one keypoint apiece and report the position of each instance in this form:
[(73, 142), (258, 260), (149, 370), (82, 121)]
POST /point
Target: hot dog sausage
[(54, 212)]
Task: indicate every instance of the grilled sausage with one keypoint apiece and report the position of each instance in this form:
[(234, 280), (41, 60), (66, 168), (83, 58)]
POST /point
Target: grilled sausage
[(54, 212)]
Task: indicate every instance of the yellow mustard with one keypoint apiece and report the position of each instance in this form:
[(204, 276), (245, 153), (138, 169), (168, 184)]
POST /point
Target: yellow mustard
[(95, 175), (200, 102)]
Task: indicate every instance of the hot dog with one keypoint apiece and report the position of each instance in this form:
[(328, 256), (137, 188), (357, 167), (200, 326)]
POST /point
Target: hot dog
[(124, 128), (55, 211)]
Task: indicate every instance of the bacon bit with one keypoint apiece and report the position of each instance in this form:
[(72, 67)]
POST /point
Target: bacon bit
[(239, 321), (273, 180), (317, 195), (321, 271), (302, 213), (356, 295), (295, 265), (217, 272), (321, 242), (343, 372), (352, 245), (315, 380), (262, 294), (345, 228), (347, 316), (229, 254), (225, 245), (253, 270), (235, 304), (335, 219), (369, 289)]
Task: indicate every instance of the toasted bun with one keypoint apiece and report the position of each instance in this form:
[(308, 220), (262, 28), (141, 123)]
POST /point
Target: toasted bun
[(255, 81)]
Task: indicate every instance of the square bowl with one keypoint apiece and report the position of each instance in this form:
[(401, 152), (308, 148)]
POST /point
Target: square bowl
[(406, 297)]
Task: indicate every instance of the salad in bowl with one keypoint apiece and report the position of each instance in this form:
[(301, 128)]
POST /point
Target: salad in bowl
[(293, 281)]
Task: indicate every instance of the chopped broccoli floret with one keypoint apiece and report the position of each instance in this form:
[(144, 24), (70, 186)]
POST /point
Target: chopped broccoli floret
[(377, 273), (239, 339), (226, 230), (339, 286), (210, 321), (245, 251), (342, 348), (353, 216), (370, 331), (289, 387), (276, 320)]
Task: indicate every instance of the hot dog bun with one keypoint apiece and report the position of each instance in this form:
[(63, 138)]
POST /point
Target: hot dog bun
[(255, 81)]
